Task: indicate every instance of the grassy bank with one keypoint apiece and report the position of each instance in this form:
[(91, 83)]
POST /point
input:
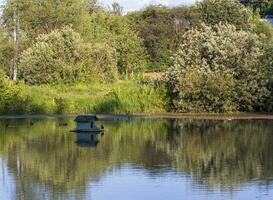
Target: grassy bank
[(121, 97)]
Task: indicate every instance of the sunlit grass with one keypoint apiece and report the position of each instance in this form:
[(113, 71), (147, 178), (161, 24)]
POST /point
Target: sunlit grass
[(122, 97)]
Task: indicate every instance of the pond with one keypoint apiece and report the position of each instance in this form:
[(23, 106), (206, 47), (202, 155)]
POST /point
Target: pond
[(137, 159)]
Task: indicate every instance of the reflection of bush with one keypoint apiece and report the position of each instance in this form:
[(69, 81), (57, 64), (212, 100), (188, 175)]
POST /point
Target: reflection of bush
[(214, 153), (225, 153)]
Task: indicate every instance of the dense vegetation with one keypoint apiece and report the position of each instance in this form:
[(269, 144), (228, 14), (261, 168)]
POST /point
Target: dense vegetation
[(215, 75), (265, 7), (122, 97), (216, 56)]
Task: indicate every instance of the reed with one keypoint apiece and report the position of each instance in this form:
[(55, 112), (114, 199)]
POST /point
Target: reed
[(123, 97)]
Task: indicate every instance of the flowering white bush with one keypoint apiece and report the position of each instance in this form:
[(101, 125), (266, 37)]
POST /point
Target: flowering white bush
[(218, 69)]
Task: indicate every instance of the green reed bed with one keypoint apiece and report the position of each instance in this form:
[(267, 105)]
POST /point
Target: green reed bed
[(122, 97)]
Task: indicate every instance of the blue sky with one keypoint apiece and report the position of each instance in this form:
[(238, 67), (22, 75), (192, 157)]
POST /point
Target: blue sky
[(130, 5)]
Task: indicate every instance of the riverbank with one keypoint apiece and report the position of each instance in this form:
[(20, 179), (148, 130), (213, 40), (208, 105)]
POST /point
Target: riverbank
[(122, 99), (239, 116)]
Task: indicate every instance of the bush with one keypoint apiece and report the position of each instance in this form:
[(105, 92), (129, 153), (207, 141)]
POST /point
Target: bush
[(219, 69), (10, 96), (61, 56), (103, 62)]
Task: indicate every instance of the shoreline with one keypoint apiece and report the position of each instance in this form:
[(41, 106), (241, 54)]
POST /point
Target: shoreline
[(239, 116)]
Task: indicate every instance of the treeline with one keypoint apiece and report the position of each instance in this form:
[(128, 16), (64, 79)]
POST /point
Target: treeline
[(216, 55), (92, 39), (67, 41)]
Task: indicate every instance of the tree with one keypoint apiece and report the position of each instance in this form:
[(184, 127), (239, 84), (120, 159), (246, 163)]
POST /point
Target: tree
[(161, 29), (211, 12), (9, 52), (41, 17), (62, 56), (92, 6), (24, 20), (265, 7), (115, 31), (117, 9), (219, 69), (6, 53)]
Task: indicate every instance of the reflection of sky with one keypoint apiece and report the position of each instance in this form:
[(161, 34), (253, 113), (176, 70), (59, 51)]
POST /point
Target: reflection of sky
[(7, 185), (135, 183), (128, 183)]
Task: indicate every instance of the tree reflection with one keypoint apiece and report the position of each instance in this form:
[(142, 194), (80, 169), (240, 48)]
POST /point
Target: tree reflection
[(45, 159)]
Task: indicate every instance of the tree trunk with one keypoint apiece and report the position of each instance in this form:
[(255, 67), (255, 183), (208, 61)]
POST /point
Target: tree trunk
[(15, 42)]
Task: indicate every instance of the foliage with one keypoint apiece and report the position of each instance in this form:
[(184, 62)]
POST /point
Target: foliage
[(42, 17), (114, 30), (265, 7), (72, 41), (211, 12), (219, 69), (120, 97), (139, 100), (10, 96), (103, 61), (161, 29), (61, 56), (263, 27), (5, 51)]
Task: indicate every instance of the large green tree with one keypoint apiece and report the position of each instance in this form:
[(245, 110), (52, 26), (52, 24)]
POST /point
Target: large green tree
[(41, 17), (212, 12), (161, 29), (115, 31)]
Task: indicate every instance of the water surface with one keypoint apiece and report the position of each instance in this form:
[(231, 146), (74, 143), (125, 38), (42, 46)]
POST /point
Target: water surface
[(137, 159)]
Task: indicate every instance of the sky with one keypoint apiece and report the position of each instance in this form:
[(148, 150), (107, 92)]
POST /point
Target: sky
[(131, 5)]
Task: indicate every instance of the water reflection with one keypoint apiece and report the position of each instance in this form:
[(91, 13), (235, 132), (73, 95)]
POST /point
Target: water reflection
[(87, 139), (210, 158)]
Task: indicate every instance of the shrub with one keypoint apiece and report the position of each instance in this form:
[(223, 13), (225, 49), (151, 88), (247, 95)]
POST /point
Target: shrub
[(10, 96), (218, 69), (103, 61), (62, 56)]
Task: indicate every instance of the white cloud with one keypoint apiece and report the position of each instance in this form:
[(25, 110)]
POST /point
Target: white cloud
[(130, 5)]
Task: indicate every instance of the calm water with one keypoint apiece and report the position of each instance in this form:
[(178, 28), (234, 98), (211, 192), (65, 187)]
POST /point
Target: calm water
[(137, 160)]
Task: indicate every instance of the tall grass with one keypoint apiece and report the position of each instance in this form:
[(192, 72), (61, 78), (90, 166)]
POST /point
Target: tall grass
[(123, 97)]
